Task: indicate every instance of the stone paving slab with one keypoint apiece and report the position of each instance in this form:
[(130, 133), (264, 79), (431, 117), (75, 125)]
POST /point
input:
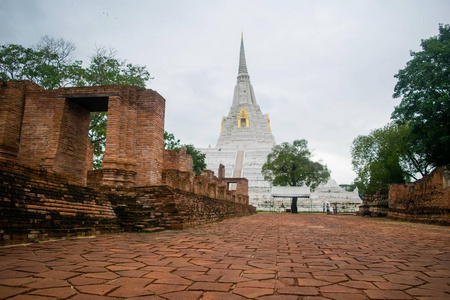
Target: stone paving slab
[(265, 256)]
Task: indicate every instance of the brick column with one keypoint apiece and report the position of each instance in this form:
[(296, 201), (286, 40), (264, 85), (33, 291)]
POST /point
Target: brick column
[(149, 137), (119, 161), (110, 164), (12, 103)]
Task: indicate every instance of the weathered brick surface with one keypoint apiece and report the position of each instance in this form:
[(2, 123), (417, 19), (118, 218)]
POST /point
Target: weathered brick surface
[(375, 205), (426, 200), (150, 137), (171, 208), (205, 184), (12, 102), (36, 204), (178, 179), (52, 127), (46, 162), (177, 160)]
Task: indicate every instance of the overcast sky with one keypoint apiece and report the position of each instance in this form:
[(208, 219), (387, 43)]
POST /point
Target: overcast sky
[(322, 70)]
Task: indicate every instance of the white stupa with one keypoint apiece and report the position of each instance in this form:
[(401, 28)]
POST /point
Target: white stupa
[(245, 141), (245, 138)]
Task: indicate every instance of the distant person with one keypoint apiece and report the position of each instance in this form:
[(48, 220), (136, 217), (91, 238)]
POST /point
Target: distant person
[(335, 209), (323, 208), (328, 208)]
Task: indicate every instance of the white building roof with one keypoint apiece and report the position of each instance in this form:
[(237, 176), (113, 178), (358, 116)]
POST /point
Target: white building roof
[(290, 191)]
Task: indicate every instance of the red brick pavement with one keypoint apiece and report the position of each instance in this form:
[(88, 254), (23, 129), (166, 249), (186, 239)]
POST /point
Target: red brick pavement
[(266, 256)]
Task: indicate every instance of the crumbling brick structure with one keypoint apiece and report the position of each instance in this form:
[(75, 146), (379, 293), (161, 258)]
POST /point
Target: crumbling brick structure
[(47, 185), (426, 200), (178, 173), (49, 129), (375, 205)]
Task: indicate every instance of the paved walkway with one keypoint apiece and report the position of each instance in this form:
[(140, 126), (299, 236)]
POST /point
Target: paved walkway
[(266, 256)]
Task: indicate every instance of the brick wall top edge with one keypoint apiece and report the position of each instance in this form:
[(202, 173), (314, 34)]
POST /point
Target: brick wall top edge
[(234, 179), (439, 171), (22, 84), (110, 87)]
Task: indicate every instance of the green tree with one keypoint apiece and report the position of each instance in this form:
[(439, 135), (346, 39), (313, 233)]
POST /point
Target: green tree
[(380, 159), (291, 165), (170, 142), (198, 159), (14, 61), (50, 63), (56, 66), (424, 86), (105, 68), (97, 136)]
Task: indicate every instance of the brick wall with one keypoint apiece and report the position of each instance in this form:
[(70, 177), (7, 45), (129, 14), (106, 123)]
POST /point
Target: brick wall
[(46, 161), (375, 205), (36, 204), (171, 208), (49, 129), (178, 179), (177, 160), (426, 200), (12, 102)]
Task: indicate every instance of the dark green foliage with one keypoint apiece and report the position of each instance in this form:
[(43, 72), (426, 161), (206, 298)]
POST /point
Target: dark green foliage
[(198, 159), (49, 64), (384, 157), (105, 68), (97, 136), (291, 165), (170, 142), (424, 85)]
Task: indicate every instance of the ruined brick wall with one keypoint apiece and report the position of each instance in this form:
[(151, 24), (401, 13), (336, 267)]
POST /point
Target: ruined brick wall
[(49, 129), (45, 162), (426, 200), (177, 160), (36, 204), (95, 178), (178, 179), (90, 156), (221, 172), (375, 205), (241, 184), (206, 184), (12, 103), (171, 208)]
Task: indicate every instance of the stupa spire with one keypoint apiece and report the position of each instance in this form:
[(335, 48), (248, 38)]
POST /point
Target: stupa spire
[(242, 63)]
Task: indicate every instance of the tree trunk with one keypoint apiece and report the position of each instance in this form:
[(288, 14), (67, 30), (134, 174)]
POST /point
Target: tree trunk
[(294, 205)]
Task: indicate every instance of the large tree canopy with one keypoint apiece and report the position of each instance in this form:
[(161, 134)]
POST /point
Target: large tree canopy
[(382, 158), (424, 86), (291, 165), (50, 63)]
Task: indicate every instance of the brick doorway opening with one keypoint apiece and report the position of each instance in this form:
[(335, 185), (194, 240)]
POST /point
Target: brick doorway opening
[(98, 108)]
